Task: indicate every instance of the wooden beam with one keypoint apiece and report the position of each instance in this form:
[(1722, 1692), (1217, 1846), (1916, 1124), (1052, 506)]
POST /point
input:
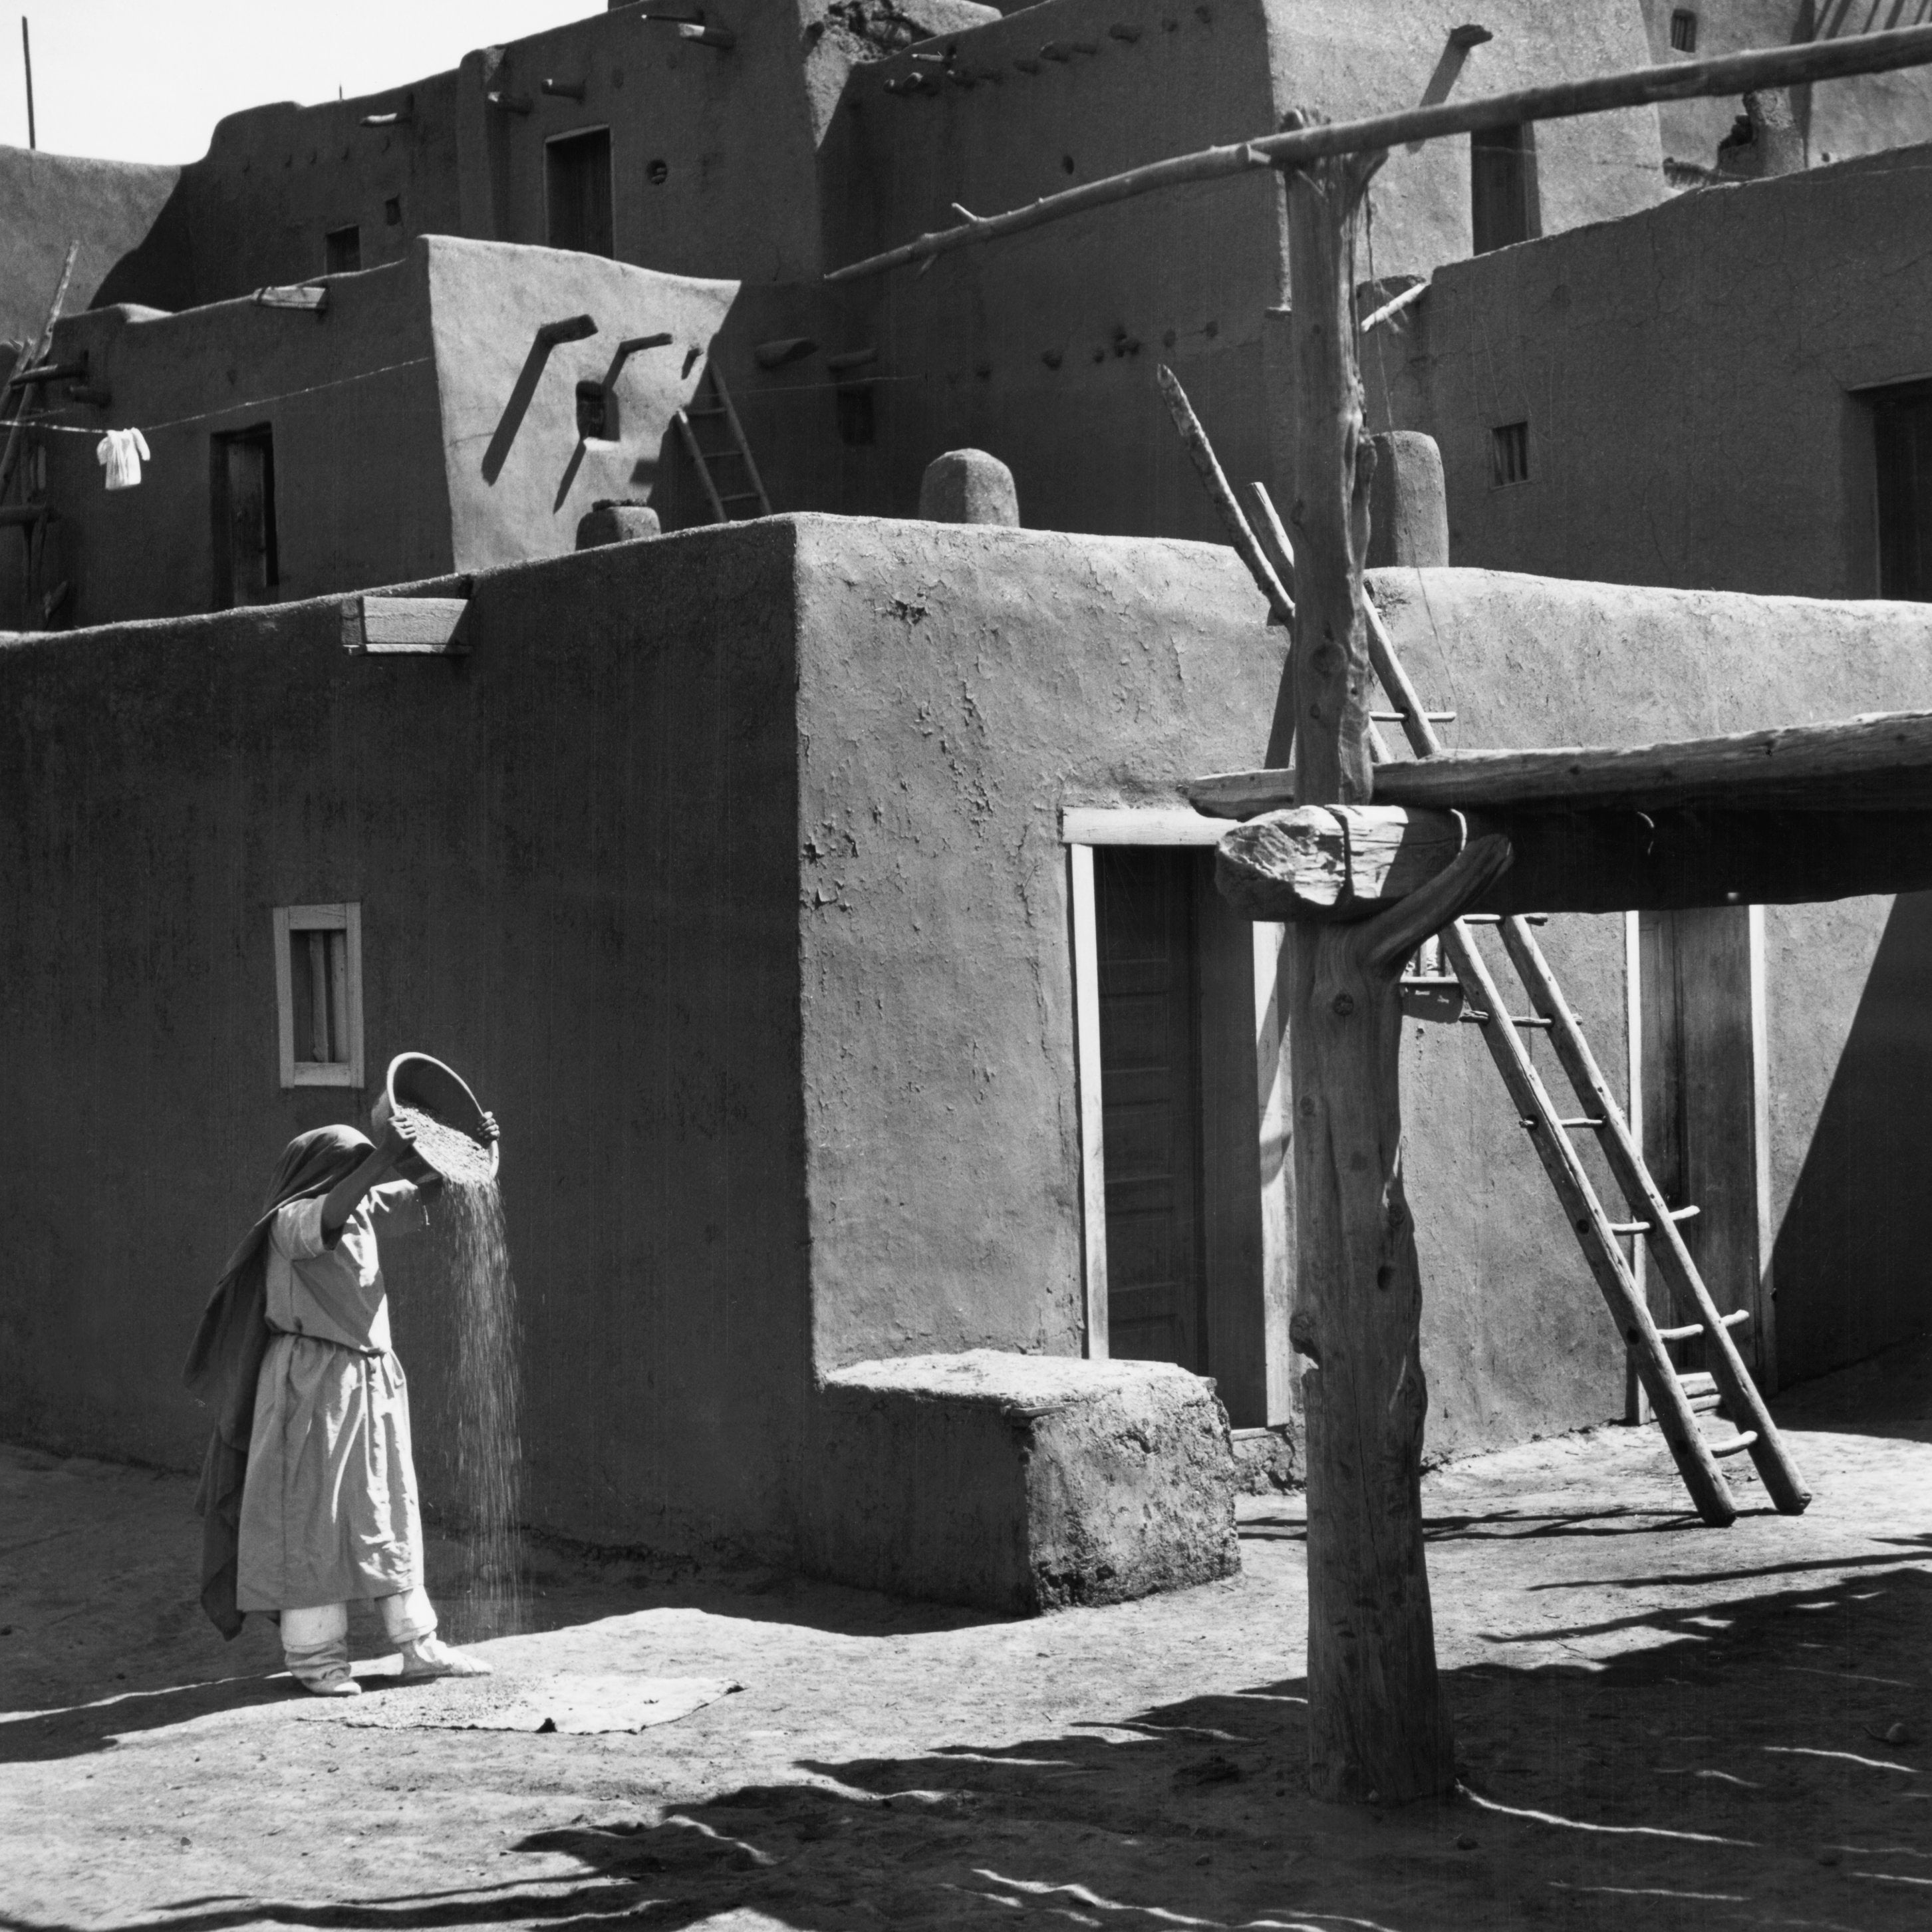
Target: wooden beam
[(420, 626), (1879, 762), (1343, 862), (1637, 87)]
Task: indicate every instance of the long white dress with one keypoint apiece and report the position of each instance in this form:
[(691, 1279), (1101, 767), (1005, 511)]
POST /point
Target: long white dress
[(329, 1513)]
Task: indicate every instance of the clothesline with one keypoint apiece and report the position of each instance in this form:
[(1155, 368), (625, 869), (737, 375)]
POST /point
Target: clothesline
[(226, 409)]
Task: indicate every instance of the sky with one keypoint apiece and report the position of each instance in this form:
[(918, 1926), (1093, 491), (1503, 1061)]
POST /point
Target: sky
[(146, 80)]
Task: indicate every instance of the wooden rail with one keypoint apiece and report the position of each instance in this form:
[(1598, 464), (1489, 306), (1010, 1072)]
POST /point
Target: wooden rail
[(1636, 87)]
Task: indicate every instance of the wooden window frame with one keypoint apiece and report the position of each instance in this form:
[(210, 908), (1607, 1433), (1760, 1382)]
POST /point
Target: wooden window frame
[(347, 919), (1082, 830)]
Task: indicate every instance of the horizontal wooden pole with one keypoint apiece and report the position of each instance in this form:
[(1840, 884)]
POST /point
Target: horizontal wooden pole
[(1335, 863), (1881, 762), (1635, 87)]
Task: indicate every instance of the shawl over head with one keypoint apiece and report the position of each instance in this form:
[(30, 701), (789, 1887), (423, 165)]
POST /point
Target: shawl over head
[(225, 1360)]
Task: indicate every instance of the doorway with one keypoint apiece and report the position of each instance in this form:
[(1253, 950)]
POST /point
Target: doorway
[(1183, 1135), (1703, 1098), (247, 568), (577, 184)]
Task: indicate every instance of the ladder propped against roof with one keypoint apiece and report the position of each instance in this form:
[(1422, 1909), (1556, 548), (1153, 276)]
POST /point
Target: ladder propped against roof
[(1676, 1398), (732, 484)]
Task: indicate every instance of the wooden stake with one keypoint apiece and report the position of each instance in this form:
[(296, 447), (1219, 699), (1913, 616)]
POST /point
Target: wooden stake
[(1379, 1730)]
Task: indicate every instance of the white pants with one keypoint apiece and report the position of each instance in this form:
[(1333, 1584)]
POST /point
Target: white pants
[(315, 1639)]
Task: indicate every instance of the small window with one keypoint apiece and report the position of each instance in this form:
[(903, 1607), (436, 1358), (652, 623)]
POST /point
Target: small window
[(247, 568), (319, 994), (855, 420), (392, 211), (1505, 207), (596, 413), (1509, 453), (576, 169), (1683, 31), (342, 251)]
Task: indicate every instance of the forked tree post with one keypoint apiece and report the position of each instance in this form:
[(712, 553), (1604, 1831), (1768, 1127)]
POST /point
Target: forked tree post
[(1378, 1727)]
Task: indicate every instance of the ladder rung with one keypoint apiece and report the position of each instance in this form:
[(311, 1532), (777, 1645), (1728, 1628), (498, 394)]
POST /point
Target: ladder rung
[(1699, 1382), (1514, 1019), (693, 410), (1685, 1214), (1396, 717), (1496, 918), (1737, 1445), (1582, 1120), (1690, 1328), (1630, 1227), (740, 496)]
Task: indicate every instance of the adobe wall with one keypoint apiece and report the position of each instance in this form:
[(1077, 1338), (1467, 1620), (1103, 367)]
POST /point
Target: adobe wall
[(1840, 119), (125, 216), (417, 427), (517, 485), (1689, 376), (577, 875), (1527, 661), (1040, 348), (277, 178), (359, 492)]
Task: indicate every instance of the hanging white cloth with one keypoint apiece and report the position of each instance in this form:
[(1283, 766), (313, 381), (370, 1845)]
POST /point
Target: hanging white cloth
[(122, 451)]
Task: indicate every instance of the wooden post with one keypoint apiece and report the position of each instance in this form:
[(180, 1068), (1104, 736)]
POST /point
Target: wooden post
[(1378, 1731)]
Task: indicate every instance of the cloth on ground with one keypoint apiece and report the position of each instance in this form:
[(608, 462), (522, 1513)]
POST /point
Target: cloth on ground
[(224, 1362), (122, 452), (329, 1509)]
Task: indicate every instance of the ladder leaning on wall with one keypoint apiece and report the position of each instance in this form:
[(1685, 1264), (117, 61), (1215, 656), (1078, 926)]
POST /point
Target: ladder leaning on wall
[(1675, 1398), (732, 484)]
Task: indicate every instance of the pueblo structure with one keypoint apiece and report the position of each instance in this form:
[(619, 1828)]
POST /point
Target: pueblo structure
[(908, 1146)]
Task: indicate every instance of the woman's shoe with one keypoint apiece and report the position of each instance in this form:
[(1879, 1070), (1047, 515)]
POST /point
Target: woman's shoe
[(431, 1656), (334, 1682)]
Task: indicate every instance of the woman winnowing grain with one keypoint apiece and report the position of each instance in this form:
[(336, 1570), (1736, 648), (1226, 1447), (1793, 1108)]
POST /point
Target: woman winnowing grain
[(309, 1490)]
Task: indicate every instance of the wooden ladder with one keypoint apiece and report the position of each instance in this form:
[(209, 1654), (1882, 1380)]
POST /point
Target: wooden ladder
[(712, 406), (1676, 1398)]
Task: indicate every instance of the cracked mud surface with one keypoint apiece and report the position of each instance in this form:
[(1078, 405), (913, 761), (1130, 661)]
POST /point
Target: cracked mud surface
[(1660, 1725)]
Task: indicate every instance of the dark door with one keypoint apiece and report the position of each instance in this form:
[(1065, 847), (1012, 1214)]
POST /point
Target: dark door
[(1150, 1085), (247, 570), (1503, 200), (1902, 434), (1700, 1111), (577, 181)]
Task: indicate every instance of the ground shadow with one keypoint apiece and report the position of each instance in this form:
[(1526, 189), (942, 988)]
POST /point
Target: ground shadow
[(1740, 1758)]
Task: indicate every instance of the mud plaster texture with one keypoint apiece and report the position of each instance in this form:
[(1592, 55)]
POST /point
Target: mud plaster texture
[(1023, 1483), (1692, 378), (1659, 1725)]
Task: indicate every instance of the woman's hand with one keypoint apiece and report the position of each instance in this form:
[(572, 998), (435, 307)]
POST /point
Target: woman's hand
[(490, 1129)]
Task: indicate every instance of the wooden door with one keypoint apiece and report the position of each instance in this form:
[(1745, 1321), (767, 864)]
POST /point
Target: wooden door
[(577, 183), (1150, 1083), (1702, 1087), (246, 567)]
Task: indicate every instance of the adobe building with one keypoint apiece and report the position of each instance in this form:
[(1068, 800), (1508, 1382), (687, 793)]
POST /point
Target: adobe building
[(463, 406), (814, 901), (767, 146), (1745, 415)]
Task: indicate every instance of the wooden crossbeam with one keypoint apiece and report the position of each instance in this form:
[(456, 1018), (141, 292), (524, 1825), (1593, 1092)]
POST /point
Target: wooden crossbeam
[(1636, 87), (1880, 762), (1336, 863)]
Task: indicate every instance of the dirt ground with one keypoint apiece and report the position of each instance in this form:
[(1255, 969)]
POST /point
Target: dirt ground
[(1659, 1725)]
